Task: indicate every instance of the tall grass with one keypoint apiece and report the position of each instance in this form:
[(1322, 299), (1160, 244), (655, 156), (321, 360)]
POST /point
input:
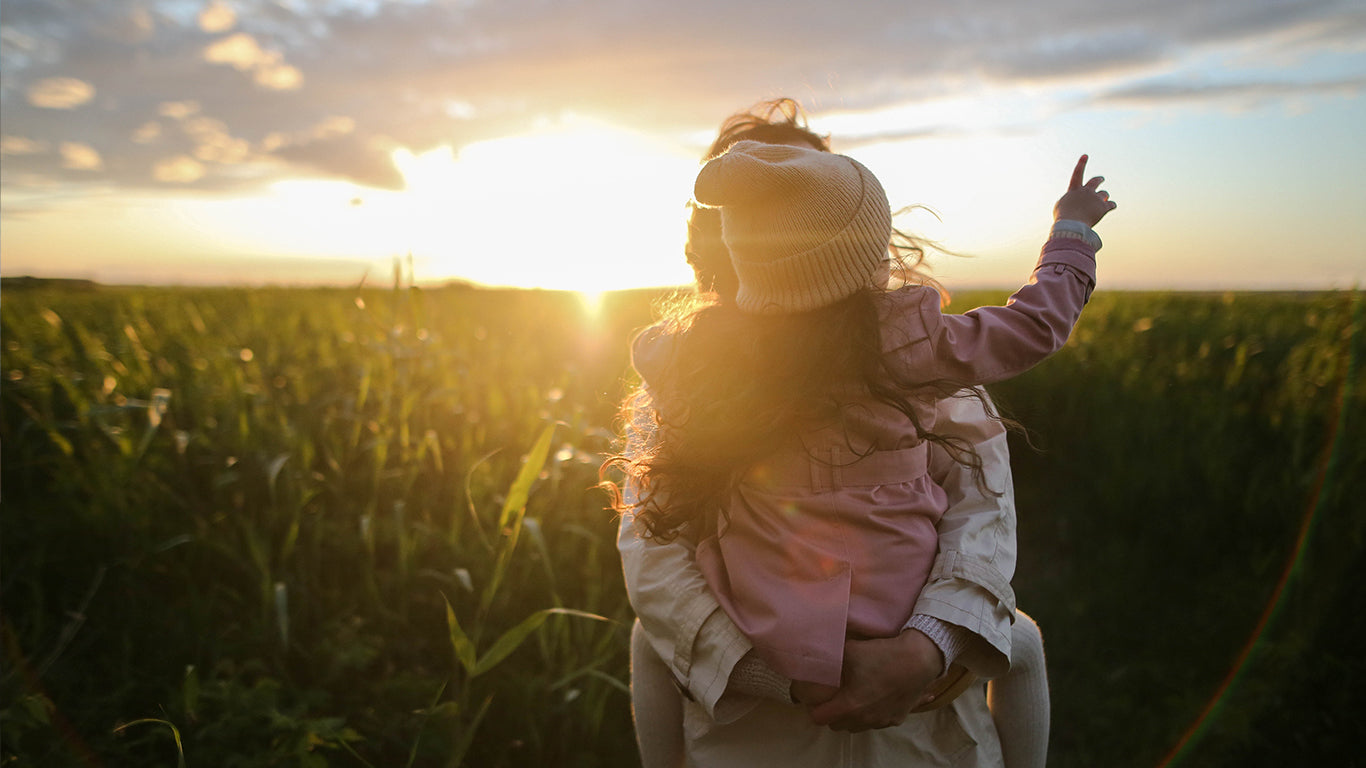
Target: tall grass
[(327, 527), (267, 516)]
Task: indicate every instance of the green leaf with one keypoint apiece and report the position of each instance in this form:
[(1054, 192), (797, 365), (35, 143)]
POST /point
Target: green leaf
[(460, 642), (514, 509), (517, 496), (509, 642), (190, 691), (61, 442), (273, 468)]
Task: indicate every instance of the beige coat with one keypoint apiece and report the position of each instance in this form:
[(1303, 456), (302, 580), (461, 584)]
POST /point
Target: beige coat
[(968, 586)]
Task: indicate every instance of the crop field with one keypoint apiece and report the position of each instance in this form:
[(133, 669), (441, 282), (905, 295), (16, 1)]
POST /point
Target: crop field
[(296, 527)]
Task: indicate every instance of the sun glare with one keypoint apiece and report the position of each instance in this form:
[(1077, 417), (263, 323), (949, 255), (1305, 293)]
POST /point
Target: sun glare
[(581, 206), (592, 301)]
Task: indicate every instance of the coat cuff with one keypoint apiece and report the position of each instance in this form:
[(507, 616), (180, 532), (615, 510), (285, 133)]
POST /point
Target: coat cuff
[(951, 639), (1073, 229), (719, 647), (1070, 255), (972, 594)]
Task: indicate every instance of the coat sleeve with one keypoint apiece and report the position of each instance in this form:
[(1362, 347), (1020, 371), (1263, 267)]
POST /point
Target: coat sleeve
[(682, 620), (969, 583), (990, 344)]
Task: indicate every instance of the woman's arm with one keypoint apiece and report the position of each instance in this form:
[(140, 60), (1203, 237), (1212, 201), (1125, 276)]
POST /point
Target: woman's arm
[(683, 622), (969, 585)]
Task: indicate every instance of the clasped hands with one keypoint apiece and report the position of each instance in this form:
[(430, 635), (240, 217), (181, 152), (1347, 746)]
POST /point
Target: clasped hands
[(881, 682)]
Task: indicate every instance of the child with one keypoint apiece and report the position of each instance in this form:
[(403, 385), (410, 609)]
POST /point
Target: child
[(803, 412)]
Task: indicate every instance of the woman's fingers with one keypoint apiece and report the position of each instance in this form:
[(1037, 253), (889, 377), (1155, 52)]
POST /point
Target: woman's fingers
[(1078, 173), (1094, 183)]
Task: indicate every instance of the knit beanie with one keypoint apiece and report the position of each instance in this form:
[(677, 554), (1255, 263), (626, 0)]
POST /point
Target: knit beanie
[(805, 228)]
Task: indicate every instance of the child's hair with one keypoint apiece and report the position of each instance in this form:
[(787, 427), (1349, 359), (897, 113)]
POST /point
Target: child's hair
[(747, 386)]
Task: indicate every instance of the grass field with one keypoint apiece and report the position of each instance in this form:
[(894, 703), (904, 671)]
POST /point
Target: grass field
[(328, 527)]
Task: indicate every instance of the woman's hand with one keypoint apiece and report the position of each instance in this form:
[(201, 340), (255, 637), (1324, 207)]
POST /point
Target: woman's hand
[(810, 694), (882, 681), (1084, 202)]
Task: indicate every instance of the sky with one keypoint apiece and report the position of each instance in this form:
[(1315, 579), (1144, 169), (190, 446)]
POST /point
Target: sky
[(553, 144)]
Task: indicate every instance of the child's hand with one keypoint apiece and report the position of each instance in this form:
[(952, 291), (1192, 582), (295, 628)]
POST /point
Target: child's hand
[(1084, 202), (810, 694)]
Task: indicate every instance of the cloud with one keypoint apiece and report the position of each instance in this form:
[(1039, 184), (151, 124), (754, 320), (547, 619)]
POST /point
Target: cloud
[(333, 126), (1159, 93), (1077, 56), (60, 93), (242, 52), (177, 110), (19, 145), (213, 144), (331, 88), (348, 157), (178, 170), (279, 77), (217, 16), (80, 157), (147, 133)]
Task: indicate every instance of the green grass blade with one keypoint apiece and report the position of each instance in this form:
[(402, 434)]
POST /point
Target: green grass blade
[(515, 504), (462, 744), (514, 509), (426, 713), (513, 638), (469, 502), (179, 746), (460, 642)]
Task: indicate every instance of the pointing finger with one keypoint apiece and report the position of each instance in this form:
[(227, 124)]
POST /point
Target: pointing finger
[(1078, 173)]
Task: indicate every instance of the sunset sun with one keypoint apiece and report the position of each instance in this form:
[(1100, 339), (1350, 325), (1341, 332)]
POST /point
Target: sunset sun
[(582, 206)]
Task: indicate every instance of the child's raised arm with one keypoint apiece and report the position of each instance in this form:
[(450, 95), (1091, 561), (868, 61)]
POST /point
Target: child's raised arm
[(989, 344)]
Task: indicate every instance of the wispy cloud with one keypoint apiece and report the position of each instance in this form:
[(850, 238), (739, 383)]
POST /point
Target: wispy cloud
[(60, 93), (1158, 93)]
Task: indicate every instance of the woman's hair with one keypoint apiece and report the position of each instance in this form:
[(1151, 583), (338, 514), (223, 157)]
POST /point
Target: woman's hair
[(742, 387), (781, 121)]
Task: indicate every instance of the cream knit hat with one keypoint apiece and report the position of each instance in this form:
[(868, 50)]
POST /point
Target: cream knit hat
[(805, 228)]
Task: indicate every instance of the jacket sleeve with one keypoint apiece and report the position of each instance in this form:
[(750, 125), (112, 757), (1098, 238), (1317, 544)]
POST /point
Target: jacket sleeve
[(969, 583), (682, 619), (990, 344)]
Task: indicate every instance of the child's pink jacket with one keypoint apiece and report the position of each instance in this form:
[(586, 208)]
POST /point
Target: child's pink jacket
[(822, 544)]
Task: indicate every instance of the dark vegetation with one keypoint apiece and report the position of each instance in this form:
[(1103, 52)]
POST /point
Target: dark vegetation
[(316, 527)]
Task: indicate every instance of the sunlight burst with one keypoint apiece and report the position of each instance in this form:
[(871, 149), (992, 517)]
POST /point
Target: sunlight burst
[(582, 206)]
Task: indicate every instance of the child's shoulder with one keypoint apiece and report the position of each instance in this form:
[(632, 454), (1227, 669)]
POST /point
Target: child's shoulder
[(908, 317), (909, 306)]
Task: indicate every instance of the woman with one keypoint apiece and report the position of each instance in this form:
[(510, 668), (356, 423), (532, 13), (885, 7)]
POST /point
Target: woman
[(738, 711)]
